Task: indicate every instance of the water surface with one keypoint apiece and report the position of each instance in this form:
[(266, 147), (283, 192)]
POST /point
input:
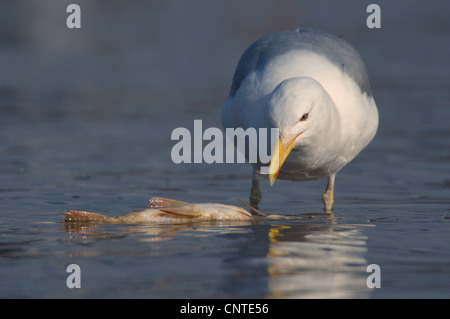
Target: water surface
[(85, 123)]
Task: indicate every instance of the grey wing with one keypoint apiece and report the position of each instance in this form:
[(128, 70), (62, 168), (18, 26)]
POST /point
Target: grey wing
[(333, 48)]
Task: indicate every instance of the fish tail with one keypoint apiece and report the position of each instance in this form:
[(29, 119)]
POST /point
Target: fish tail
[(82, 216)]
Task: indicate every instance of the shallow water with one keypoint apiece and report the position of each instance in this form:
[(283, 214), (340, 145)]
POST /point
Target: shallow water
[(85, 123)]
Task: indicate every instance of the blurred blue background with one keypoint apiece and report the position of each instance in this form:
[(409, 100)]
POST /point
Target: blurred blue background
[(85, 122)]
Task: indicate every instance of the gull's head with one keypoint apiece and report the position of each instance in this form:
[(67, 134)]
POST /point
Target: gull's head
[(296, 107)]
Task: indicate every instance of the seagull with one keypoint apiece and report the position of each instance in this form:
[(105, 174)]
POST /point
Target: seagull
[(314, 88)]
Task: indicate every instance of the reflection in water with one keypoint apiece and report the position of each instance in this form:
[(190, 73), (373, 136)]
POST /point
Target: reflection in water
[(301, 259), (154, 232), (87, 233), (325, 261)]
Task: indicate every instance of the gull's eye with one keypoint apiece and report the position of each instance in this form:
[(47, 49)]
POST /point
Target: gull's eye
[(304, 117)]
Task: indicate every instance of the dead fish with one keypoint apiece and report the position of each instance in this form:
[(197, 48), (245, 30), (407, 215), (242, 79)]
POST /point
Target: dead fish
[(170, 211)]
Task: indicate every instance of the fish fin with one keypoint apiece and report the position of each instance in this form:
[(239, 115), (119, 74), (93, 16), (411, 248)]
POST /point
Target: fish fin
[(253, 210), (161, 202), (82, 216), (183, 211)]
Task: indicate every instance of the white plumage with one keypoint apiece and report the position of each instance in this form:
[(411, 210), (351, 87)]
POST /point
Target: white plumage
[(313, 87)]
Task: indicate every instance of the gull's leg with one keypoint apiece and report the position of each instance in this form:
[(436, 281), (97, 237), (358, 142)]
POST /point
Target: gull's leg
[(328, 196), (255, 193)]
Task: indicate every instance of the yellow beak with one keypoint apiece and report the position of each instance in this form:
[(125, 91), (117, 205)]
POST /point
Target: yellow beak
[(279, 155)]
